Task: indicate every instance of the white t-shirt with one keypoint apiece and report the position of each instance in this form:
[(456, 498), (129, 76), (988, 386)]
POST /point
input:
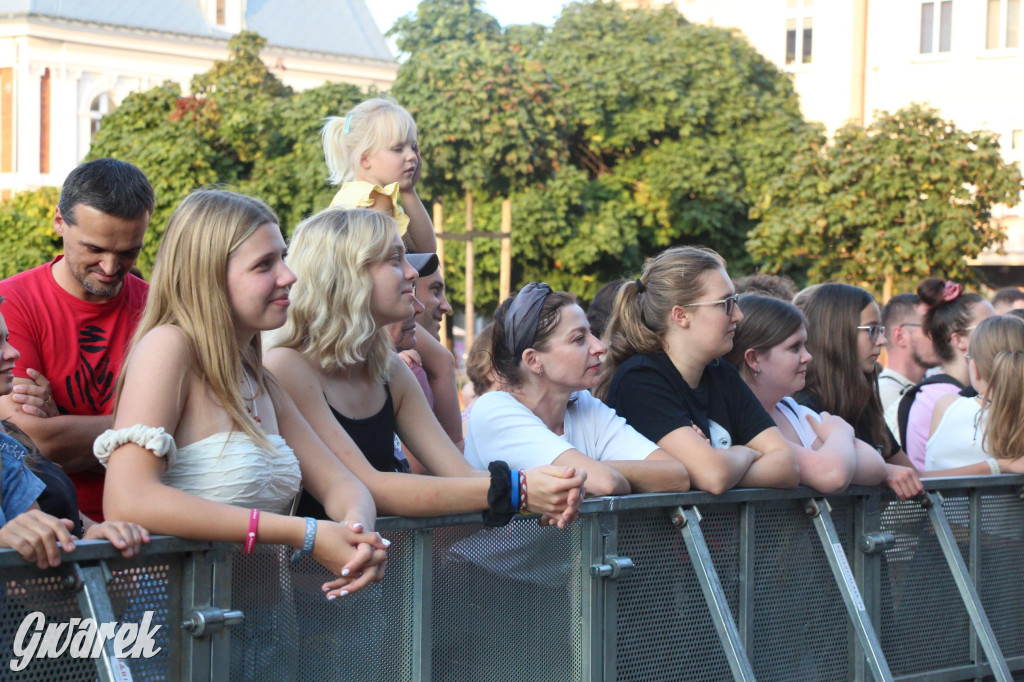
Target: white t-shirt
[(502, 428), (796, 413), (958, 438)]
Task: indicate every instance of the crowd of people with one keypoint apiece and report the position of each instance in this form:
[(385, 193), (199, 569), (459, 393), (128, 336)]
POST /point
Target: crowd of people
[(264, 392)]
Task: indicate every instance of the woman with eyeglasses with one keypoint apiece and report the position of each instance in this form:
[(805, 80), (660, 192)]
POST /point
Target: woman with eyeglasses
[(845, 336), (667, 331), (952, 316)]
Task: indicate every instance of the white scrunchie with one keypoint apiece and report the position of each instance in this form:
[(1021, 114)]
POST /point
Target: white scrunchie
[(153, 438)]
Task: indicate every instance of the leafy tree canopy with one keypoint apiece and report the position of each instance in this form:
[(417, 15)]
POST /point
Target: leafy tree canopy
[(615, 134), (26, 230), (906, 198)]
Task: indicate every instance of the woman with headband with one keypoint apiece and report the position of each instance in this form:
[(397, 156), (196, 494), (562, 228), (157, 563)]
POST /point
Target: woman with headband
[(667, 332), (546, 359)]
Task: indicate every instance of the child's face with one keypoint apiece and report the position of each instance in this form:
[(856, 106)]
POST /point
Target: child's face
[(395, 163)]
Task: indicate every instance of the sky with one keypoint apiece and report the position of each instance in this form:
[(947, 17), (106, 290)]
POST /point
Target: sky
[(385, 12)]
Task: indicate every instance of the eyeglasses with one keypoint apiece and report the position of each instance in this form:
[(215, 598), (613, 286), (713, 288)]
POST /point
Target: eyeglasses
[(873, 330), (730, 304), (909, 324)]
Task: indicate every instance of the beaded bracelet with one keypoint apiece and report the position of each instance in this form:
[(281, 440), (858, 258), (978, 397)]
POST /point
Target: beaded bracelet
[(521, 507), (307, 541), (250, 537)]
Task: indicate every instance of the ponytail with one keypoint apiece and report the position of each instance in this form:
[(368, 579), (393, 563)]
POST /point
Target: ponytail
[(1004, 430)]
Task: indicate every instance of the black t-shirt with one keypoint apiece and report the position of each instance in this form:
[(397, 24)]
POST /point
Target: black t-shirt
[(652, 396)]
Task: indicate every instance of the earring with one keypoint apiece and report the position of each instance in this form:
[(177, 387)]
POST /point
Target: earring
[(540, 372), (757, 371)]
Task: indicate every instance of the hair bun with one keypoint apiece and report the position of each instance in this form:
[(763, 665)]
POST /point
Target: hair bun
[(931, 291)]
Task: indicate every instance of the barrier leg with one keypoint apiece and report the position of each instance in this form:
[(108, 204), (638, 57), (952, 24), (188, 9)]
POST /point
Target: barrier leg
[(968, 592), (423, 605), (687, 520), (818, 509), (95, 603)]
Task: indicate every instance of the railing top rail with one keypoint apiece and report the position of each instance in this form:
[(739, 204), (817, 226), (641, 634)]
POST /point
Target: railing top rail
[(99, 550), (96, 550)]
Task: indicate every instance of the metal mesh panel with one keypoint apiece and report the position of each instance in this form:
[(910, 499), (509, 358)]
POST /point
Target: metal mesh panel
[(801, 629), (507, 603), (665, 631), (924, 623), (292, 632), (28, 590), (1002, 557), (135, 587)]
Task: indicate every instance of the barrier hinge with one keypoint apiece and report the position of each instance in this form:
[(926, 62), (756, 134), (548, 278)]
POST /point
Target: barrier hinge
[(614, 567)]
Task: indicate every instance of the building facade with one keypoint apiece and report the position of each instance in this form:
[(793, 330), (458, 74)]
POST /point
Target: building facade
[(64, 64)]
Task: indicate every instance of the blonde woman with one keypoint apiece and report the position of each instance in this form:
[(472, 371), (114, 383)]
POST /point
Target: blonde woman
[(334, 357), (198, 448)]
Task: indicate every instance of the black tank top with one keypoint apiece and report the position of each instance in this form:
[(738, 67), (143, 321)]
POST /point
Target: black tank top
[(375, 438)]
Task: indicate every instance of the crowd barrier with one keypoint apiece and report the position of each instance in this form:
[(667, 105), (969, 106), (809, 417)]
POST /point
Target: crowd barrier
[(752, 584)]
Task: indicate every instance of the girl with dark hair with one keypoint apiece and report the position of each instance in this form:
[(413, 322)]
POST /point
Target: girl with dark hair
[(546, 359), (951, 317), (667, 330), (770, 351), (984, 434), (845, 336)]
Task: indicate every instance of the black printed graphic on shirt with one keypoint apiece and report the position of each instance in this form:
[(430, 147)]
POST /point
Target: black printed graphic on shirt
[(93, 382)]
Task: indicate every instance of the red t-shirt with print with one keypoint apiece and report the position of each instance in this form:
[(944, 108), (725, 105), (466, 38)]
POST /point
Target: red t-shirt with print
[(79, 346)]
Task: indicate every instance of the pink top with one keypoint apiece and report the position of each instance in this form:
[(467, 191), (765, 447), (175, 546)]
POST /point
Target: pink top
[(919, 422)]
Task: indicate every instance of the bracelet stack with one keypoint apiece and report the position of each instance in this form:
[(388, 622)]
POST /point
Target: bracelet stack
[(521, 507)]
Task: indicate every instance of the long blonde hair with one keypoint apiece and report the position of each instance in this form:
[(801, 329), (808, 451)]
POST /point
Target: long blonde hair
[(329, 319), (366, 129), (997, 348), (189, 290), (639, 319)]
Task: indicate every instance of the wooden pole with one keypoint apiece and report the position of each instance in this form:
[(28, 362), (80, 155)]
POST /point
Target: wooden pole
[(438, 229), (505, 269), (470, 313)]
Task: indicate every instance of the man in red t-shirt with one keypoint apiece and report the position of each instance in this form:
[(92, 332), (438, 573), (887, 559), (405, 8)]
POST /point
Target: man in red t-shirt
[(72, 319)]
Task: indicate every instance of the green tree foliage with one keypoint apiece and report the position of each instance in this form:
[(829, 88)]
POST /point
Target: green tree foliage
[(240, 128), (614, 133), (908, 197), (26, 230)]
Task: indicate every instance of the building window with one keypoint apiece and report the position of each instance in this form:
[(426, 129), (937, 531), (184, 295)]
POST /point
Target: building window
[(100, 107), (1002, 24), (936, 36), (799, 31)]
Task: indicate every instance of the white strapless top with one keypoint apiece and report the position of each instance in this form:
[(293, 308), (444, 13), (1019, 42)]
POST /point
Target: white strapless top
[(226, 467)]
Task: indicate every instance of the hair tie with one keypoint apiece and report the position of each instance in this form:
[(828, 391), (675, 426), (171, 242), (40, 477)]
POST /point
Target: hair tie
[(523, 316), (640, 288), (348, 123), (951, 290)]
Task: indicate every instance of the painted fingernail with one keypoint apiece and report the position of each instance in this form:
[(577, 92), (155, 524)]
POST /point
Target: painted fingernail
[(332, 597), (344, 572), (386, 542), (357, 527), (344, 593)]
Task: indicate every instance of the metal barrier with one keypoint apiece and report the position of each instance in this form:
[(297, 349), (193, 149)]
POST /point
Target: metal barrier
[(752, 584)]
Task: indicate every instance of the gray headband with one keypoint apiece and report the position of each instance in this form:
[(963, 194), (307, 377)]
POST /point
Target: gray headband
[(522, 318)]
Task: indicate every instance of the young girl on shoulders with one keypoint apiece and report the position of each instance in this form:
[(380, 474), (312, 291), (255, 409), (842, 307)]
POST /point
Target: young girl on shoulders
[(770, 351), (198, 448), (372, 153), (334, 357), (666, 334), (985, 433), (546, 361)]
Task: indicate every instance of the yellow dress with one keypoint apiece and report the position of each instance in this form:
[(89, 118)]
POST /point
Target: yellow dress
[(359, 194)]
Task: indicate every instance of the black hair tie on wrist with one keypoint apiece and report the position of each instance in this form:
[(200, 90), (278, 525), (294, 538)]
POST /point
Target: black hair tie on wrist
[(499, 496)]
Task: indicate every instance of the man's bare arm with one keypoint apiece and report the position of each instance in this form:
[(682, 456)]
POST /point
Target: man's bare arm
[(65, 439)]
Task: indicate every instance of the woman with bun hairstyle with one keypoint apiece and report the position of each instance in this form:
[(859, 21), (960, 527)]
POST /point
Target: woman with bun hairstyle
[(546, 361), (951, 317), (985, 433), (770, 351), (667, 331), (845, 336), (335, 358)]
